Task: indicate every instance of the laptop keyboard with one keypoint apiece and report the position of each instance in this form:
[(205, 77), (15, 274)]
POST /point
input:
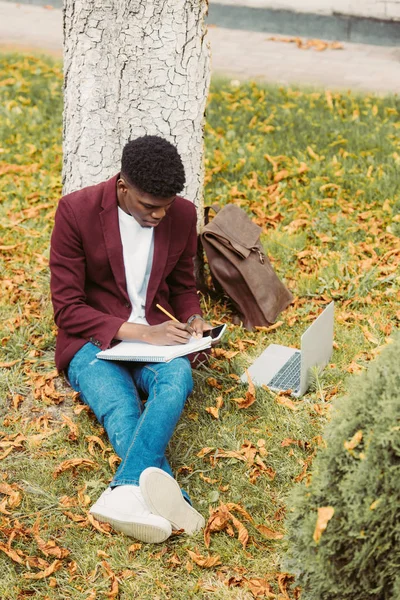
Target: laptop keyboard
[(288, 376)]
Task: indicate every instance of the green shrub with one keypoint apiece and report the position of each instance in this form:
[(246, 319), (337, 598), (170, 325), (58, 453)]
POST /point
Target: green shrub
[(358, 554)]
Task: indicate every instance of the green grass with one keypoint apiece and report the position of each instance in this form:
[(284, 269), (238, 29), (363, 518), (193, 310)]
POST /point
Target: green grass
[(319, 173)]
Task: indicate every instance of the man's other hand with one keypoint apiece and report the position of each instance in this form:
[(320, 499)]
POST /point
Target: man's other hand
[(197, 325)]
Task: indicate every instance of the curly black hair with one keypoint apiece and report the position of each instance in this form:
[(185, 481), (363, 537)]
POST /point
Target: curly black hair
[(153, 165)]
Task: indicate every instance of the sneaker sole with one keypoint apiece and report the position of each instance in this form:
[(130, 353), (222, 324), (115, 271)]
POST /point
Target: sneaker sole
[(164, 498), (153, 533)]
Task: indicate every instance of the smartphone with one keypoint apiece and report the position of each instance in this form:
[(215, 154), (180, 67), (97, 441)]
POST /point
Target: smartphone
[(215, 333)]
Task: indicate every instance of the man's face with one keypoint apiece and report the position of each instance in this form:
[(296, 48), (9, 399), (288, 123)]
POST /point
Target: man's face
[(146, 209)]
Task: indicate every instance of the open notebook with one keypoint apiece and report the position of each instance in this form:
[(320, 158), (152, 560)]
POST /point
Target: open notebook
[(142, 352)]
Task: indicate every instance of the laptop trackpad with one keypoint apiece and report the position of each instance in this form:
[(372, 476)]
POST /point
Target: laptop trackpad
[(268, 363)]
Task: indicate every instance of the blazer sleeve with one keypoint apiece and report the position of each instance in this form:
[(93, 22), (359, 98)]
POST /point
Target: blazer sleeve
[(67, 283), (181, 282)]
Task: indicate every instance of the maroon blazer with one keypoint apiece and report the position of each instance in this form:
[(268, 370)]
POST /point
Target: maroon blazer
[(88, 285)]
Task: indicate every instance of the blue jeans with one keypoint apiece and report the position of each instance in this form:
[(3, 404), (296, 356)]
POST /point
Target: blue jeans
[(139, 433)]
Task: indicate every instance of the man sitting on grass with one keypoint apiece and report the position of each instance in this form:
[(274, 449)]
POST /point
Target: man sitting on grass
[(118, 248)]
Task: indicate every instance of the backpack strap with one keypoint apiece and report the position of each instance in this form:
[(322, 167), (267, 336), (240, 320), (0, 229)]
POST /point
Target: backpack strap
[(215, 207), (199, 262)]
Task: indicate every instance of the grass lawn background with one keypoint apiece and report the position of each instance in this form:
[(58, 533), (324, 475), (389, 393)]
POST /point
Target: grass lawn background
[(319, 172)]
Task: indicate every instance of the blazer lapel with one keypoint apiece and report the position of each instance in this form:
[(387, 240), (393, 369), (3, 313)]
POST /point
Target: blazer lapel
[(112, 236), (161, 248)]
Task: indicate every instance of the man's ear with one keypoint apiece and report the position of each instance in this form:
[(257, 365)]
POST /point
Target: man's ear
[(121, 184)]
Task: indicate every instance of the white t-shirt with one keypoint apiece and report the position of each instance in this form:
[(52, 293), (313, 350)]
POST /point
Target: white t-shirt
[(138, 248)]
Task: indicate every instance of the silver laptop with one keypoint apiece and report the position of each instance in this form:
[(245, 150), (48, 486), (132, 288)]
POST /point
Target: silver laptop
[(283, 368)]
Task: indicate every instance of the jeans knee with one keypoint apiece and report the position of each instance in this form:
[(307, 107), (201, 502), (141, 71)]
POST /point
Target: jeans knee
[(181, 376)]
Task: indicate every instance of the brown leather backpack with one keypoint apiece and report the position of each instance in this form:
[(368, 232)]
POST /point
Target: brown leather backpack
[(240, 268)]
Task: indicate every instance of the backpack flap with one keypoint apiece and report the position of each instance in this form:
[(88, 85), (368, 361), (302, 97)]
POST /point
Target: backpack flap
[(233, 229)]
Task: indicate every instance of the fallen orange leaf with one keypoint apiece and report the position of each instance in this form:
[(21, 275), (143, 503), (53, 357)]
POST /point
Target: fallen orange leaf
[(101, 527), (55, 566), (50, 548), (73, 463), (269, 533), (73, 428), (11, 363), (260, 588), (270, 327), (11, 554), (286, 402), (206, 562), (207, 479)]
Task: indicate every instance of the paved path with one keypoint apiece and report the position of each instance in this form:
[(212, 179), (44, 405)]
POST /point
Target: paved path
[(237, 54), (358, 66)]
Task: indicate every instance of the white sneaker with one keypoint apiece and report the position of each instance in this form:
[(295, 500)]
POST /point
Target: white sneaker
[(163, 497), (124, 508)]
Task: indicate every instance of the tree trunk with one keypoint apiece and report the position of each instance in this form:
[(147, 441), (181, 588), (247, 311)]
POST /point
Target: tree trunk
[(133, 67)]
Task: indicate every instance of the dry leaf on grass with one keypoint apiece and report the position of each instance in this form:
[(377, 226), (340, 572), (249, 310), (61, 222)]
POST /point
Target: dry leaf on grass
[(243, 534), (218, 521), (109, 573), (174, 561), (206, 562), (8, 365), (269, 533), (17, 400), (93, 441), (214, 383), (83, 499), (287, 403), (283, 580), (76, 518), (233, 507), (222, 519), (50, 548), (231, 454), (304, 470), (55, 566), (214, 410), (101, 527), (114, 460), (73, 428), (11, 554), (114, 591), (205, 451), (11, 443), (260, 588), (207, 479), (354, 367), (226, 354), (14, 495), (3, 505), (250, 397), (73, 463), (270, 328), (370, 336)]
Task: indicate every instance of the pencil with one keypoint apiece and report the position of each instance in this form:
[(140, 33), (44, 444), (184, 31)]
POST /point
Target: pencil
[(166, 313)]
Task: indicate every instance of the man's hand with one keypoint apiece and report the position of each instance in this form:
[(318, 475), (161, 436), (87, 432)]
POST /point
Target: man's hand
[(168, 333)]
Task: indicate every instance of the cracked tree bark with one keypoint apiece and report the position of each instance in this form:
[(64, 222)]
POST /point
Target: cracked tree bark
[(133, 67)]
